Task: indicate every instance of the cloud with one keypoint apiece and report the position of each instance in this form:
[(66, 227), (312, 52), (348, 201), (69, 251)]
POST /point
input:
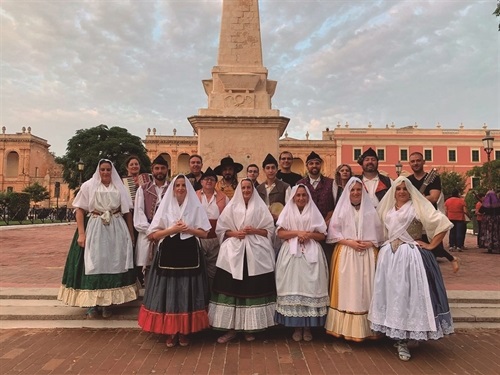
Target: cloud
[(73, 65)]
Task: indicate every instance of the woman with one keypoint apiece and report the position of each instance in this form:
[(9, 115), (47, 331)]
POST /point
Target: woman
[(244, 291), (301, 268), (133, 166), (357, 230), (490, 226), (409, 299), (456, 210), (342, 174), (99, 270), (176, 295)]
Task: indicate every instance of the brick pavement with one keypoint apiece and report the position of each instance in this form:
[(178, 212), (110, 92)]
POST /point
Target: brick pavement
[(36, 256), (31, 257), (88, 351)]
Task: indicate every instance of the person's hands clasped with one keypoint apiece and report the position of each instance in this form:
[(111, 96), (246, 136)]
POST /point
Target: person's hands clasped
[(303, 236), (359, 245)]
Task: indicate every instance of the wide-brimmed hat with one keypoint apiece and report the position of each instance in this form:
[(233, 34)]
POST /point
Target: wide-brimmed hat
[(209, 173), (369, 152), (228, 161)]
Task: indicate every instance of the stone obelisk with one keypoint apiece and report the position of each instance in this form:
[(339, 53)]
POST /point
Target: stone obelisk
[(239, 120)]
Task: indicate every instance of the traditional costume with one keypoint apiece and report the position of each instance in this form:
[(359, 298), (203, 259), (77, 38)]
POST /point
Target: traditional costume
[(176, 294), (102, 273), (352, 272), (490, 230), (301, 269), (244, 291), (409, 299)]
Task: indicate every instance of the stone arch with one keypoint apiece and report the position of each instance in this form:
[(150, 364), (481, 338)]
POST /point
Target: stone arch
[(298, 166), (183, 163), (12, 167)]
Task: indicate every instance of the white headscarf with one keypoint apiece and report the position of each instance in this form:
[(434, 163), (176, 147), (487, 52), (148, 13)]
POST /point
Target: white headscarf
[(343, 224), (170, 212), (258, 249), (310, 219), (418, 206), (85, 199)]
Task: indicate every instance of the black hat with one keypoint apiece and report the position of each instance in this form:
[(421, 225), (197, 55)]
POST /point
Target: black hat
[(369, 152), (228, 161), (269, 160), (313, 156), (160, 160), (209, 173)]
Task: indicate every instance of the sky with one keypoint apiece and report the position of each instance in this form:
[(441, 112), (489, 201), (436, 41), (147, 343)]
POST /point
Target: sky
[(70, 64)]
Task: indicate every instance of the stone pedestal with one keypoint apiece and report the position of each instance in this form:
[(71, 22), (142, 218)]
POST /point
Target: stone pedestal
[(246, 139)]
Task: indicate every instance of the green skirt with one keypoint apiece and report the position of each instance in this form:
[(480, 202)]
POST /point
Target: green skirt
[(82, 290)]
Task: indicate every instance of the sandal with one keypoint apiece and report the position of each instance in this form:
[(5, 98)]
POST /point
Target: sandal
[(249, 337), (106, 312), (403, 352), (183, 340), (297, 335), (91, 313), (226, 337), (307, 334), (171, 341), (456, 264)]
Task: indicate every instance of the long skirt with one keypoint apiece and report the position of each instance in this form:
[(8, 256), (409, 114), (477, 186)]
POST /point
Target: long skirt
[(79, 289), (490, 233), (175, 301), (409, 299), (351, 289), (302, 289), (243, 305)]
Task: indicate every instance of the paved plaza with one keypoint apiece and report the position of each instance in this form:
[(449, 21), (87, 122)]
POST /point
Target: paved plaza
[(34, 258)]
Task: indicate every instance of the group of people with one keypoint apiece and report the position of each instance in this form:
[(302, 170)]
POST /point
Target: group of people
[(353, 254)]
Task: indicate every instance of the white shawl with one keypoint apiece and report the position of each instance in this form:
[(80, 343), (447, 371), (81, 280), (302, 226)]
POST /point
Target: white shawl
[(258, 249), (310, 219), (85, 199), (343, 224), (170, 212), (433, 221)]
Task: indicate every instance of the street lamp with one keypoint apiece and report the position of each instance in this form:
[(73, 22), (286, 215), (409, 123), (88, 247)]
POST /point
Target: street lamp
[(399, 167), (488, 144), (81, 167), (488, 148)]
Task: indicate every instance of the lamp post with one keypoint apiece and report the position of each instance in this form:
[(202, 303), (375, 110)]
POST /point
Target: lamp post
[(399, 167), (81, 167), (488, 148)]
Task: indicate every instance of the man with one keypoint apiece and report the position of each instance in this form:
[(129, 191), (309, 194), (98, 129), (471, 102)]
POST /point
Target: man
[(273, 191), (229, 170), (321, 189), (375, 184), (253, 174), (195, 165), (285, 173), (213, 202), (432, 192), (147, 200)]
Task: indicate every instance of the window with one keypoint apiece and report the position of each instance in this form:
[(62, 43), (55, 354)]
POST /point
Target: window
[(381, 154), (428, 155), (497, 154), (403, 154), (357, 153), (474, 156), (10, 189), (475, 182), (452, 155)]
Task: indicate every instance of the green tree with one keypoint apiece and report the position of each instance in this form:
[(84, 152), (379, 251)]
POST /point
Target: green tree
[(36, 192), (100, 142), (452, 180), (489, 174)]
